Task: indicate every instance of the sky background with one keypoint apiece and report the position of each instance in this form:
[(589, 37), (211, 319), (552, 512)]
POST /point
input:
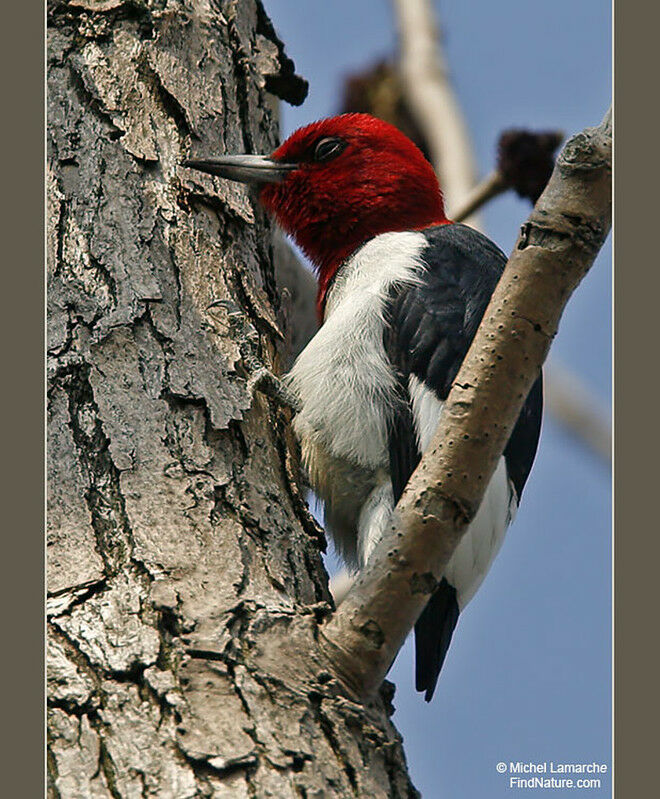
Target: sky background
[(528, 675)]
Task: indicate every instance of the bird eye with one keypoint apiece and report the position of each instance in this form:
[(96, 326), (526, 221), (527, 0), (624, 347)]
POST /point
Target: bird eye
[(329, 148)]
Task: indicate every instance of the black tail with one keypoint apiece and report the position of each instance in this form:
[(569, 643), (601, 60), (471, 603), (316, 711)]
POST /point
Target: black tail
[(433, 632)]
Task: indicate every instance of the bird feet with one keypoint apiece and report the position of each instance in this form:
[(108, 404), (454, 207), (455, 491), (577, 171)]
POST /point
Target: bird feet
[(263, 380)]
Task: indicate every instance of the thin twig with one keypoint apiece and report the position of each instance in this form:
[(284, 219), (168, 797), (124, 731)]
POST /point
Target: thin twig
[(490, 187)]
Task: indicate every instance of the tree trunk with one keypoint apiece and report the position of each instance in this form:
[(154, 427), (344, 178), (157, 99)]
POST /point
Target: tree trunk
[(185, 577)]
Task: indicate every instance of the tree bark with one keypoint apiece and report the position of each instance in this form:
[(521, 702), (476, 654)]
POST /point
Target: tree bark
[(185, 579)]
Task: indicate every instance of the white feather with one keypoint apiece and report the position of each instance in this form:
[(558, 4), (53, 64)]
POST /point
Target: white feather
[(343, 376), (374, 518), (426, 411), (477, 549)]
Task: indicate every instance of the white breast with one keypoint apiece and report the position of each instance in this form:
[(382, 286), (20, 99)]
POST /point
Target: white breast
[(343, 376)]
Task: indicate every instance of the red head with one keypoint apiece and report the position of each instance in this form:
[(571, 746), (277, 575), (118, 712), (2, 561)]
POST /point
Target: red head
[(335, 184)]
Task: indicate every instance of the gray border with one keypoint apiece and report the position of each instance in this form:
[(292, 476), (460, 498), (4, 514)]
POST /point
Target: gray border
[(22, 401), (637, 293)]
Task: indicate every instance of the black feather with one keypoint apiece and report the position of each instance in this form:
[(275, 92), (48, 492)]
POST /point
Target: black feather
[(433, 632), (404, 454)]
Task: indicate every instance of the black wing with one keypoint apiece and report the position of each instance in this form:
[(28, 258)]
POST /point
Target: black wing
[(430, 328)]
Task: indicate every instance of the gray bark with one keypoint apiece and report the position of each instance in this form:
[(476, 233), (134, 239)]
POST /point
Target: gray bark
[(185, 580)]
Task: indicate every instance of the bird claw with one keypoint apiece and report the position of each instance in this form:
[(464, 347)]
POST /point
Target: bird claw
[(263, 380)]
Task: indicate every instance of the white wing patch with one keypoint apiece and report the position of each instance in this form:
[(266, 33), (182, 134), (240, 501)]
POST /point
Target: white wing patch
[(477, 549), (426, 411), (374, 518)]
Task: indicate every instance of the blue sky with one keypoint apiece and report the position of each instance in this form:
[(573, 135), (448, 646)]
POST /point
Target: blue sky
[(528, 674)]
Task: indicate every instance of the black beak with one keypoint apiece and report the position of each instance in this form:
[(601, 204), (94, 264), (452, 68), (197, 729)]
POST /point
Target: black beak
[(243, 168)]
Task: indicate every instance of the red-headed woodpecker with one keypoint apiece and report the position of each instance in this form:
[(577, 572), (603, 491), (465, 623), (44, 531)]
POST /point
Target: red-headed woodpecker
[(401, 293)]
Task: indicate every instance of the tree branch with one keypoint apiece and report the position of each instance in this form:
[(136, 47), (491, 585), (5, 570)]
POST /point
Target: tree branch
[(524, 163), (432, 102), (572, 404), (491, 186), (555, 249)]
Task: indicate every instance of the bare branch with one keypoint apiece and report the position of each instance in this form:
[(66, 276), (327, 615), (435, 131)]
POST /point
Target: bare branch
[(574, 406), (555, 249), (524, 163), (490, 187), (432, 102)]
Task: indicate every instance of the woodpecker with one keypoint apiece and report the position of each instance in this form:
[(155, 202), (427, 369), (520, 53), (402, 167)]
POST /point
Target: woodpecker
[(401, 292)]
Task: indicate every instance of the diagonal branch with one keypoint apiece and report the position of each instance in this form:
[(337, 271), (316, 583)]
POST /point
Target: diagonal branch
[(555, 249), (491, 186)]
